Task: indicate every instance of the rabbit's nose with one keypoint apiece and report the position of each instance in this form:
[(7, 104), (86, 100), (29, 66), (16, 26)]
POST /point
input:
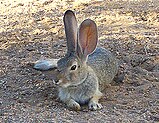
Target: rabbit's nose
[(56, 81)]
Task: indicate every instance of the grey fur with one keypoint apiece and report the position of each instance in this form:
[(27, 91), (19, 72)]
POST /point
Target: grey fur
[(105, 65), (80, 85)]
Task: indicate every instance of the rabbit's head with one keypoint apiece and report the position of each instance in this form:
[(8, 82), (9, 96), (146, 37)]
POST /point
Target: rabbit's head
[(72, 68)]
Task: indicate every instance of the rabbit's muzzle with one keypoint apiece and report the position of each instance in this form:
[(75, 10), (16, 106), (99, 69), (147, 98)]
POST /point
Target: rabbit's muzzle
[(60, 78)]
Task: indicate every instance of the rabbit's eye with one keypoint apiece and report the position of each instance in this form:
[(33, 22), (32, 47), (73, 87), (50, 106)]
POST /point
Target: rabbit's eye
[(73, 67)]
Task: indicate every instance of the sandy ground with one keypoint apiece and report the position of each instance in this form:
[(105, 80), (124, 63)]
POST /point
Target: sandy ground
[(33, 29)]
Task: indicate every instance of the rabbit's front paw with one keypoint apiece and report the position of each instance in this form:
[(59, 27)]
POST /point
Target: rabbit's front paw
[(73, 105), (94, 106)]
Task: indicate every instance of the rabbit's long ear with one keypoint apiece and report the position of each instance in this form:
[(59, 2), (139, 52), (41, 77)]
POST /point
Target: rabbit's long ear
[(70, 24), (88, 37)]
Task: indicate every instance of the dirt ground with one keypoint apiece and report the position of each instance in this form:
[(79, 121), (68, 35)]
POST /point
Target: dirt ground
[(33, 29)]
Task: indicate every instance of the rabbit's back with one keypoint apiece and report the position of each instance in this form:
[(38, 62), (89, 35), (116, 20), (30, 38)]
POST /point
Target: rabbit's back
[(104, 64)]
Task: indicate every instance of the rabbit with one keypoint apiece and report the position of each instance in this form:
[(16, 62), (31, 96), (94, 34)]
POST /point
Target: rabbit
[(85, 70)]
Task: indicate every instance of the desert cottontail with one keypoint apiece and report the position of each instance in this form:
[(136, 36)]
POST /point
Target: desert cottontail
[(83, 72)]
